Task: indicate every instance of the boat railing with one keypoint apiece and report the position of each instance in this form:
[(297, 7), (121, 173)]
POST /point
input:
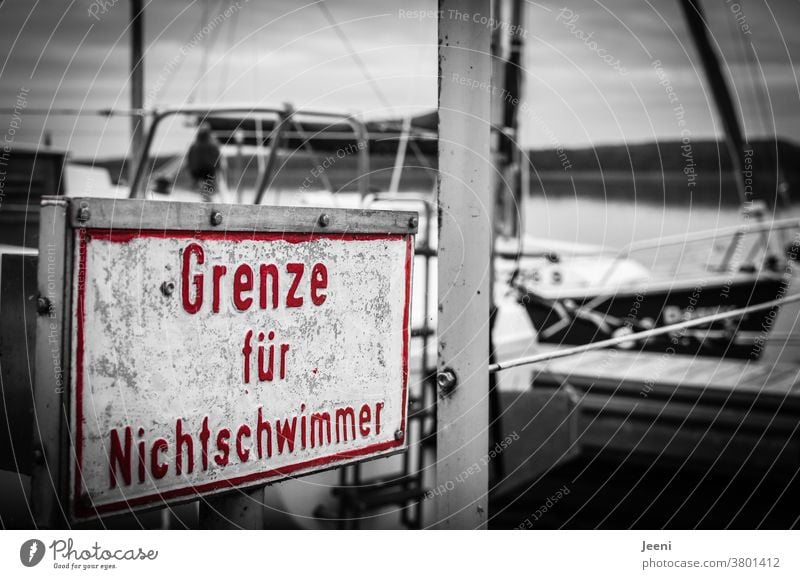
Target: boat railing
[(737, 233), (284, 117)]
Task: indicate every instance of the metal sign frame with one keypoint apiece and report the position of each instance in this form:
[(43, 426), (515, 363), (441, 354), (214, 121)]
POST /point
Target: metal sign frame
[(65, 223)]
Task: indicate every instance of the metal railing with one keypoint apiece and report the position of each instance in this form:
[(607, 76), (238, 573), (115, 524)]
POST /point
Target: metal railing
[(284, 116)]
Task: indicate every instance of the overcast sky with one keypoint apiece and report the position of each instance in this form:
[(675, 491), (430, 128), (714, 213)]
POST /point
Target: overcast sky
[(590, 77)]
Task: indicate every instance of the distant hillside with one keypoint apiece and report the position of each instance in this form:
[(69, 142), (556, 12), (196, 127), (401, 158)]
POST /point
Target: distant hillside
[(659, 172), (663, 172)]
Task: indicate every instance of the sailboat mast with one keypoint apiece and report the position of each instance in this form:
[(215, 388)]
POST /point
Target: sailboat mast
[(720, 91), (137, 83)]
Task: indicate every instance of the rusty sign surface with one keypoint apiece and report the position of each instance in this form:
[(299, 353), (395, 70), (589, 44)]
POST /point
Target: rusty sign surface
[(203, 360)]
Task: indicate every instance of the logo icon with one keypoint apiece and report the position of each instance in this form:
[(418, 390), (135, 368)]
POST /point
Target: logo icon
[(32, 552)]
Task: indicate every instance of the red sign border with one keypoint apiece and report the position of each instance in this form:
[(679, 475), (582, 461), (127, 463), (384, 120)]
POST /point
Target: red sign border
[(85, 236)]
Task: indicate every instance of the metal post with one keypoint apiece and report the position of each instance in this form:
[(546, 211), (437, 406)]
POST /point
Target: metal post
[(50, 411), (237, 510), (465, 222), (137, 82)]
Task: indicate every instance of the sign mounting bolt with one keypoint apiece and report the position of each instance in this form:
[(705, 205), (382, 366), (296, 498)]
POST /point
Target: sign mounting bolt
[(446, 380), (167, 288), (216, 218), (398, 434), (43, 305), (413, 222), (84, 214), (324, 220)]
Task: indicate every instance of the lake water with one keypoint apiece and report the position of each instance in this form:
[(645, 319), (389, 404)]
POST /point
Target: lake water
[(617, 223)]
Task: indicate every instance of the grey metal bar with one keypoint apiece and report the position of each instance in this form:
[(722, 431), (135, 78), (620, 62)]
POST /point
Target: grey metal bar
[(465, 223), (51, 403), (276, 141), (172, 215)]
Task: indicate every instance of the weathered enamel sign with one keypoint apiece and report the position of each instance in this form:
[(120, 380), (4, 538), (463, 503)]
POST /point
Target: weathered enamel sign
[(207, 359)]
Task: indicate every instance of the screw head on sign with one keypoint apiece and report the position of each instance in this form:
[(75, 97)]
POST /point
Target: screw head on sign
[(167, 288), (413, 222), (42, 305), (324, 220), (446, 380), (216, 218), (84, 214), (398, 434)]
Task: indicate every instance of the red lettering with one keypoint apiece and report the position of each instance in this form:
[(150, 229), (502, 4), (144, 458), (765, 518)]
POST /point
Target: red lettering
[(192, 306), (266, 373), (222, 445), (246, 351), (159, 469), (218, 271), (319, 281), (242, 282), (363, 420), (272, 271), (263, 426), (284, 349), (302, 426), (342, 414), (378, 408), (286, 434), (182, 438), (320, 419), (296, 269), (244, 453), (205, 433), (141, 456), (119, 458)]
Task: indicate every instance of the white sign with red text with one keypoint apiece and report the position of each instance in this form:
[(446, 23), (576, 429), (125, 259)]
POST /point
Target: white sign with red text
[(205, 361)]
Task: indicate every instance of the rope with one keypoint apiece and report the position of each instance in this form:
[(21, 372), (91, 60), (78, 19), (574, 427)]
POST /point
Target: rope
[(639, 336)]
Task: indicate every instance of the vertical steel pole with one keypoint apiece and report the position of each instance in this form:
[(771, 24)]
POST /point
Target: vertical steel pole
[(465, 223), (50, 393), (137, 83)]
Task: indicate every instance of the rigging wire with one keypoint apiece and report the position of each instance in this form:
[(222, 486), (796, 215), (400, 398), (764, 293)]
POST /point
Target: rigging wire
[(192, 34), (226, 56), (762, 102), (639, 336), (369, 78), (354, 55), (208, 44)]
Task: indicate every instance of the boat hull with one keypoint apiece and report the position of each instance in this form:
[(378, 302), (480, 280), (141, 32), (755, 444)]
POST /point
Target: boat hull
[(593, 317)]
